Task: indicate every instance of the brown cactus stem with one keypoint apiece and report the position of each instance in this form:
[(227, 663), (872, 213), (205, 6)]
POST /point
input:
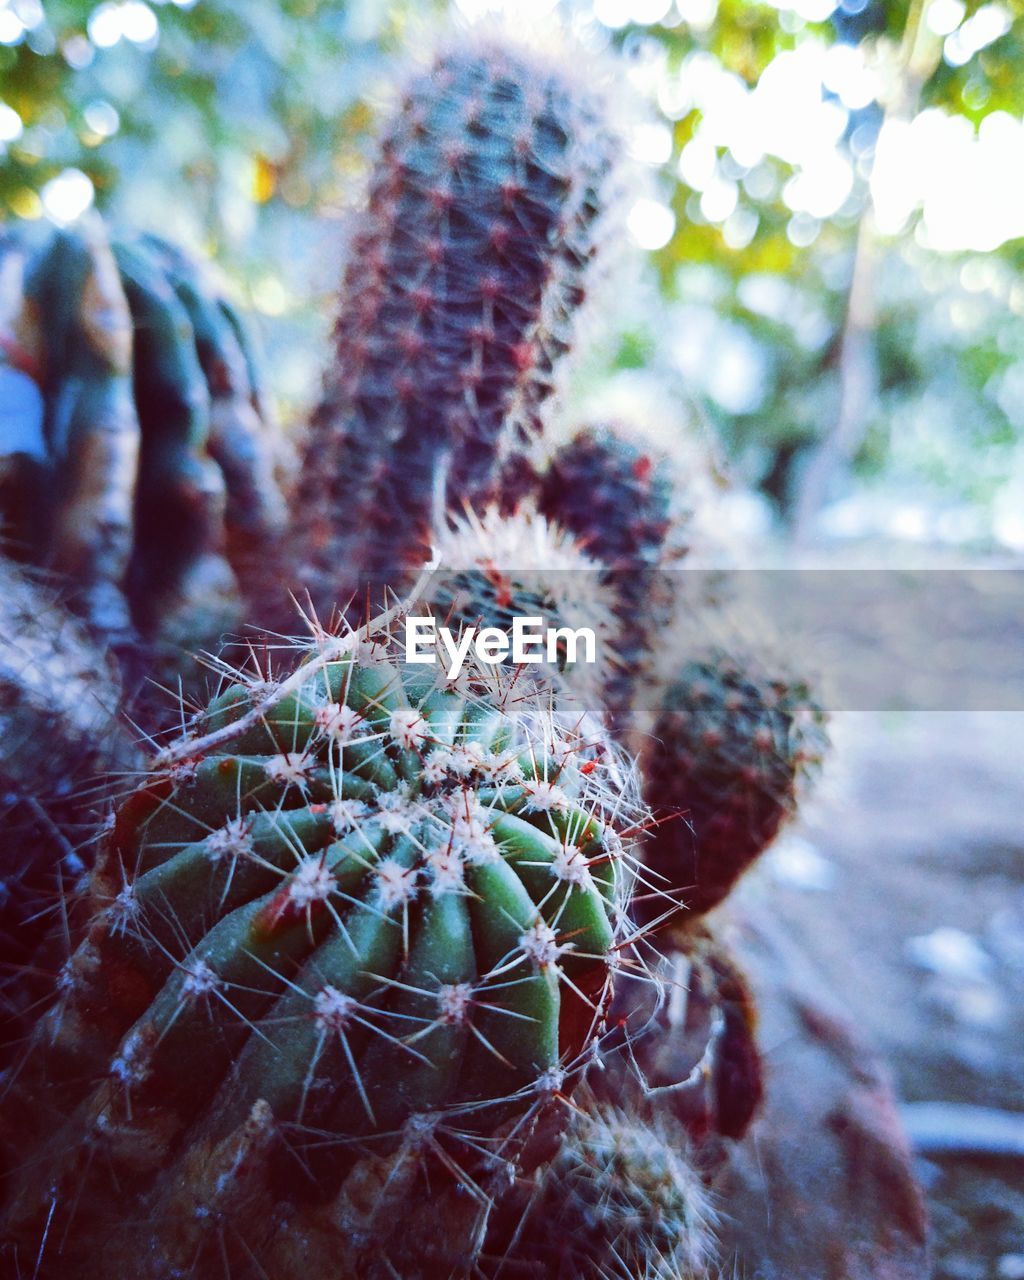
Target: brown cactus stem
[(456, 308)]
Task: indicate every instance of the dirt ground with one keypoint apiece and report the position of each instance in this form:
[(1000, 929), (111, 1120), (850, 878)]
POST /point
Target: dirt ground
[(904, 884)]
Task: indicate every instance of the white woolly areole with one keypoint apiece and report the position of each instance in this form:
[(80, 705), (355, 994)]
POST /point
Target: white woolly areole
[(454, 1001), (470, 834), (540, 946), (131, 1066), (408, 728), (503, 768), (463, 759), (183, 772), (397, 812), (544, 797), (124, 908), (346, 815), (562, 748), (549, 1081), (372, 651), (292, 768), (200, 980), (232, 840), (333, 1009), (435, 767), (311, 882), (570, 866), (447, 871), (396, 885), (339, 722)]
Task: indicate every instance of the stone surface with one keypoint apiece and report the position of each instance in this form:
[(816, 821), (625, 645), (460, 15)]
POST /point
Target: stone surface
[(822, 1187)]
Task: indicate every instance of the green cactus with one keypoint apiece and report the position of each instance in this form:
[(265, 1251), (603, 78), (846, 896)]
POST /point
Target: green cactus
[(620, 1201), (457, 306), (380, 906), (731, 751)]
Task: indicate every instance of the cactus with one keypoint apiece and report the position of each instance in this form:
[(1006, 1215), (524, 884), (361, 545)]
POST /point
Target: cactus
[(620, 1201), (58, 729), (732, 749), (206, 470), (617, 499), (142, 462), (456, 308), (68, 472), (386, 914), (684, 1044), (493, 568)]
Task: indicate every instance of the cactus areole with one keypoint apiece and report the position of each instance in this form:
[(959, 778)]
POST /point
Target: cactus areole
[(379, 902)]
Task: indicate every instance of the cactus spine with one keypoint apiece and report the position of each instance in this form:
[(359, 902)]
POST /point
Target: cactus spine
[(457, 305), (382, 907)]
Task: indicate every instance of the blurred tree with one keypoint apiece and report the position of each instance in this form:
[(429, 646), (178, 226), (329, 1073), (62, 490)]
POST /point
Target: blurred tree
[(807, 154)]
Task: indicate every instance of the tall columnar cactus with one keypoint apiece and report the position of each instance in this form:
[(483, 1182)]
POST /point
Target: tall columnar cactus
[(457, 306), (59, 697), (620, 1201), (356, 912), (135, 460), (616, 498), (731, 750)]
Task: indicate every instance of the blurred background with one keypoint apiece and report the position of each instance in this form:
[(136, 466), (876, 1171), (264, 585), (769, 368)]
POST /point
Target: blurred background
[(825, 285), (835, 210)]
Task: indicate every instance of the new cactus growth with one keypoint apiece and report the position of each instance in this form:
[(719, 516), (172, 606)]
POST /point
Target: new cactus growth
[(731, 750), (620, 1201), (616, 499), (377, 906), (493, 568), (456, 308)]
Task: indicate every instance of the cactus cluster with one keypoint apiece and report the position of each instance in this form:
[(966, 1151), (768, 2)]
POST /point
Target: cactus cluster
[(135, 460), (353, 940), (458, 304), (375, 902), (733, 745)]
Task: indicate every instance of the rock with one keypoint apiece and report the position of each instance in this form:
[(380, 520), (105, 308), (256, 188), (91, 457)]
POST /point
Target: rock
[(822, 1187)]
